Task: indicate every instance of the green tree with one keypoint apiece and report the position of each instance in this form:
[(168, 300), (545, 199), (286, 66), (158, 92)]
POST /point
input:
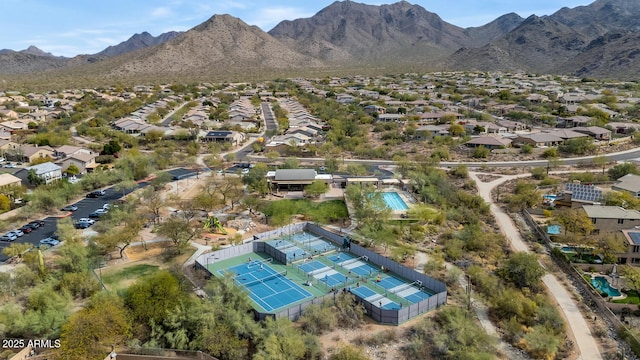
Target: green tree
[(111, 148), (152, 297), (72, 170), (349, 352), (280, 341), (5, 203), (370, 208), (34, 178), (90, 332), (621, 170), (523, 270), (180, 229), (481, 152), (316, 189)]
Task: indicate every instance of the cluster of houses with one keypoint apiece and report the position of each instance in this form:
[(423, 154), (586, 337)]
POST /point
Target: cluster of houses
[(51, 163), (433, 109), (607, 219), (304, 128)]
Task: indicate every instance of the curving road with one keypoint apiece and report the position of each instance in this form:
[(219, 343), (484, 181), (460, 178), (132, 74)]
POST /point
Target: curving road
[(585, 341)]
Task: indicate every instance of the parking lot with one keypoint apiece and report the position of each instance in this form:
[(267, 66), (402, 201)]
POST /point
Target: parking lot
[(85, 207)]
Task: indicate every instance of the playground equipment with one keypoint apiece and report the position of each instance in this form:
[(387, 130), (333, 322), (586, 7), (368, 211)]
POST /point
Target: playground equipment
[(213, 222)]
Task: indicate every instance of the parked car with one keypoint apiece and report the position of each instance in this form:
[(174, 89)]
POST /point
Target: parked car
[(87, 220), (18, 232), (82, 225), (245, 171), (97, 213), (26, 229), (106, 207), (36, 223), (69, 208), (49, 241), (96, 193), (10, 166), (8, 237)]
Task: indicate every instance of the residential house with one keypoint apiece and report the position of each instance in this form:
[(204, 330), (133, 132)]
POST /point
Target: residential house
[(538, 139), (574, 121), (233, 137), (428, 132), (512, 126), (85, 162), (595, 132), (623, 127), (489, 142), (7, 180), (566, 134), (390, 117), (29, 153), (8, 114), (629, 183), (49, 172), (576, 195), (607, 219), (632, 253), (372, 109), (14, 125)]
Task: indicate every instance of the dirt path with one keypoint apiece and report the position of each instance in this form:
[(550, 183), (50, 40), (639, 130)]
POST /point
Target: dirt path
[(585, 341)]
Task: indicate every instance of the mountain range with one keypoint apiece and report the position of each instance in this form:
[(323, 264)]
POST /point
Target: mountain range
[(601, 40)]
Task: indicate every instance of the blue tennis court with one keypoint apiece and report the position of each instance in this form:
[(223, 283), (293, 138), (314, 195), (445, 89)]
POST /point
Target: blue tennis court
[(268, 288), (374, 298), (312, 267), (331, 278), (389, 282)]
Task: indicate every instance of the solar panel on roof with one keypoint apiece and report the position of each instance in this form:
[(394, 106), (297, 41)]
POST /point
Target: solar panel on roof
[(635, 237)]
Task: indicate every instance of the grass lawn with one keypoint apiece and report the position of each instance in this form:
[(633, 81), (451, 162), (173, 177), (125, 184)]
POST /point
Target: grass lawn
[(121, 278), (280, 211), (632, 298)]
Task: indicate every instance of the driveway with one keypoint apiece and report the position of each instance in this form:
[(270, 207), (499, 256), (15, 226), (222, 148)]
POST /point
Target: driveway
[(585, 341)]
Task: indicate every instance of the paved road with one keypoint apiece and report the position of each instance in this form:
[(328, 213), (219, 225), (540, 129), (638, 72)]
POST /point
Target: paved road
[(585, 340)]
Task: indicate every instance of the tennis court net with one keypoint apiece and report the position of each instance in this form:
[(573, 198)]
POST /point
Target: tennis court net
[(254, 263), (350, 261), (262, 280), (401, 288)]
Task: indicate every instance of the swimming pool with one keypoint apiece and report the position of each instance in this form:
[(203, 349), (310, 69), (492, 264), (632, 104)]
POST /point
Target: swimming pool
[(394, 201), (601, 283)]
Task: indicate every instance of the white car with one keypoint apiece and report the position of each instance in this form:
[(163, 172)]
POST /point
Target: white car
[(18, 232), (8, 237), (245, 171), (87, 220), (10, 166)]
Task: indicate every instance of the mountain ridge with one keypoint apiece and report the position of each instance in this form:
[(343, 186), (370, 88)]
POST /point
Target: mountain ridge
[(598, 39)]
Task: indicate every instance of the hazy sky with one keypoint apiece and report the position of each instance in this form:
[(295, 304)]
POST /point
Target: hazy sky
[(72, 27)]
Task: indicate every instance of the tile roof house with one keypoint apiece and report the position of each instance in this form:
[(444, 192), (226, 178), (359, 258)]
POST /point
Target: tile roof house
[(9, 180), (566, 134), (629, 183), (538, 139), (608, 219), (233, 137), (489, 142), (595, 132), (49, 172), (85, 162)]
